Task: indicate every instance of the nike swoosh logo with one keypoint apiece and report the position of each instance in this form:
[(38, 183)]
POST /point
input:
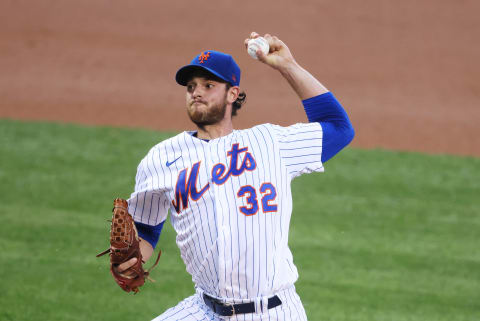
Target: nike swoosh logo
[(170, 163)]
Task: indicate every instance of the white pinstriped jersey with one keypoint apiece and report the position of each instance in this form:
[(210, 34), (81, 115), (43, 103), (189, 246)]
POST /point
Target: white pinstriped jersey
[(230, 203)]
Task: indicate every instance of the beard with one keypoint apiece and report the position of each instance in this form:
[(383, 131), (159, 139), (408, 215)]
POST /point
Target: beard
[(209, 115)]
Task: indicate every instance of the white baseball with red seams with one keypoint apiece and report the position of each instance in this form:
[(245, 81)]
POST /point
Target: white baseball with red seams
[(255, 44)]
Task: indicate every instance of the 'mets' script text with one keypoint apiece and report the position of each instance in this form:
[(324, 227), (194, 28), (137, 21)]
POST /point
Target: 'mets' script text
[(186, 189)]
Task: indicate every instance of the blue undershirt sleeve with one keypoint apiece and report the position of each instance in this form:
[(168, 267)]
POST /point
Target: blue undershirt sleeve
[(149, 233), (337, 129)]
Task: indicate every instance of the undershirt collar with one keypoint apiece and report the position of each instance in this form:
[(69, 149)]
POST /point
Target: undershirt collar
[(195, 135)]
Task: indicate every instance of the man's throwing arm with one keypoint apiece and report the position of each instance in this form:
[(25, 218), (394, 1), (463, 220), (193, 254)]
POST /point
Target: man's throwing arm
[(320, 105)]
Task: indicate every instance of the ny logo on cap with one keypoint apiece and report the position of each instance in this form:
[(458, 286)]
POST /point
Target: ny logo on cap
[(203, 57)]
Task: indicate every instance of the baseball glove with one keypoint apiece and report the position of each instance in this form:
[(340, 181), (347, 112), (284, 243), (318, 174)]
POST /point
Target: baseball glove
[(125, 245)]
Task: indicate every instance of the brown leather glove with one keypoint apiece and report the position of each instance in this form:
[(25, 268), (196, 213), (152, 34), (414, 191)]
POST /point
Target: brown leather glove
[(125, 245)]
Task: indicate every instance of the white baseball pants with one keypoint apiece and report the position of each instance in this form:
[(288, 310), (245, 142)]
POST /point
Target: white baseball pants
[(193, 308)]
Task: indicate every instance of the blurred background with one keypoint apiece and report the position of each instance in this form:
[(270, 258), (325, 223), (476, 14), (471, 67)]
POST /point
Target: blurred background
[(406, 71), (388, 232)]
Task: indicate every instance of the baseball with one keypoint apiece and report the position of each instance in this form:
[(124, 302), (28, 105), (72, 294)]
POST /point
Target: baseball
[(255, 44)]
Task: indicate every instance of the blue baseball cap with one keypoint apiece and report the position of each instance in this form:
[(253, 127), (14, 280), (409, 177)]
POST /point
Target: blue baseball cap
[(215, 62)]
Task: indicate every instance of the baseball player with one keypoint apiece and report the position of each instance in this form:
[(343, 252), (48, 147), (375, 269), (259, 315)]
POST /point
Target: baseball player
[(228, 191)]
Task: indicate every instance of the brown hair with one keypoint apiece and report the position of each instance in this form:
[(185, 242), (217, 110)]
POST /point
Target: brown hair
[(237, 104)]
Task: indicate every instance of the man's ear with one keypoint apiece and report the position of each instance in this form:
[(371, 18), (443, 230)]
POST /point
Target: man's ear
[(232, 94)]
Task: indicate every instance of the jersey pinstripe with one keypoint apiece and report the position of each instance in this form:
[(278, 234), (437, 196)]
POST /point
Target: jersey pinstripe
[(230, 203)]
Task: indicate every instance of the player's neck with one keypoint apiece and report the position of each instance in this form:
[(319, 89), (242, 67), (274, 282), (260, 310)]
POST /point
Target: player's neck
[(217, 130)]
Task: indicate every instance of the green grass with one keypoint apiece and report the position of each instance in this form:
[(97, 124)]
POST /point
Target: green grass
[(379, 236)]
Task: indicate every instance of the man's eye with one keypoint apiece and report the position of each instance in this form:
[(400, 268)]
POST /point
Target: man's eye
[(189, 87), (209, 86)]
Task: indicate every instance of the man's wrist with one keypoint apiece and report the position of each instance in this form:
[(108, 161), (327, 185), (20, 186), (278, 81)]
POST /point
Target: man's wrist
[(302, 82)]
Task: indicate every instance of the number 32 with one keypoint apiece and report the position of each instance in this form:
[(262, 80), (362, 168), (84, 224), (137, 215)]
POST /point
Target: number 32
[(269, 194)]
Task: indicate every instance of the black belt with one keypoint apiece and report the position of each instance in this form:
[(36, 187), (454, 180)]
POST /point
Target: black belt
[(227, 310)]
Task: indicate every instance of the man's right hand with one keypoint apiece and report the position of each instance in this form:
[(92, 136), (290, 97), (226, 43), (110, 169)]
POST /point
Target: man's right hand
[(279, 55)]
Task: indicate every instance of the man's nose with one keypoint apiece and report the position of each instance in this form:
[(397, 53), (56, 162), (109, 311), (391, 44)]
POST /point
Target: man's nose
[(197, 92)]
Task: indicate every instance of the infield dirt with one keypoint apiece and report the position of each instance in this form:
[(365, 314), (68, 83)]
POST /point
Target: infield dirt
[(407, 72)]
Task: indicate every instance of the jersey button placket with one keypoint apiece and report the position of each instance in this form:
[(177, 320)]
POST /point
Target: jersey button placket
[(221, 231)]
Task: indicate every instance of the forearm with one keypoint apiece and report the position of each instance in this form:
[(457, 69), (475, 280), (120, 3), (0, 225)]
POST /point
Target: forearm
[(149, 235), (302, 82), (146, 249)]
